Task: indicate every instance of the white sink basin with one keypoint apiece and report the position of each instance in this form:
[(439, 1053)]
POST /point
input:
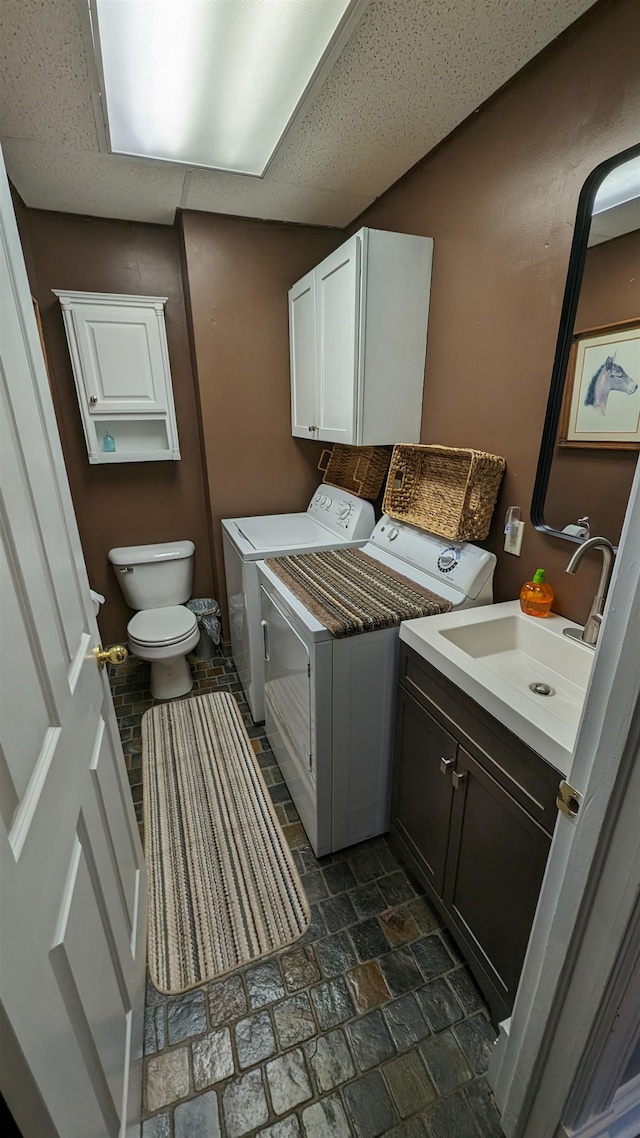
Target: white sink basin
[(496, 653)]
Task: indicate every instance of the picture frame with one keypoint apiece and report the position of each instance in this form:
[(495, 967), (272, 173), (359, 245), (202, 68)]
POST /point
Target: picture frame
[(601, 401)]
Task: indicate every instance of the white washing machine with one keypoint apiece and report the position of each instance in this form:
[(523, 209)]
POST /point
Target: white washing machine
[(330, 702), (333, 519)]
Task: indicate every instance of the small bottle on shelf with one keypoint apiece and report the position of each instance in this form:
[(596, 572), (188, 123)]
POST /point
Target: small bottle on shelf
[(108, 443), (536, 597)]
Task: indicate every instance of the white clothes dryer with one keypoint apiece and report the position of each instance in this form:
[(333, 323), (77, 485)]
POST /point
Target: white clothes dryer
[(330, 702), (333, 519)]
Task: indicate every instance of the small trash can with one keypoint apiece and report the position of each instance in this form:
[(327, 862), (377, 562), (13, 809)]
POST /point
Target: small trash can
[(207, 612)]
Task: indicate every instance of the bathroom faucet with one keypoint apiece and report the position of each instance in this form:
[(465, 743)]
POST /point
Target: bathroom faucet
[(594, 620)]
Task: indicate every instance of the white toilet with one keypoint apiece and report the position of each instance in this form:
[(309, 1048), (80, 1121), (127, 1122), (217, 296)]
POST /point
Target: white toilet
[(156, 580)]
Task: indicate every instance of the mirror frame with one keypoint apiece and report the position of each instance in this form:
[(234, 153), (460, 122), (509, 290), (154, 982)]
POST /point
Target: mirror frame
[(565, 336)]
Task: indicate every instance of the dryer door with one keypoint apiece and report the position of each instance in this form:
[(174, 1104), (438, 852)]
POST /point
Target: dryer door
[(287, 698)]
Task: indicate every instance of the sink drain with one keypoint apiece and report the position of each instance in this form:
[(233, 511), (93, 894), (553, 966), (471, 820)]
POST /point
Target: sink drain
[(542, 689)]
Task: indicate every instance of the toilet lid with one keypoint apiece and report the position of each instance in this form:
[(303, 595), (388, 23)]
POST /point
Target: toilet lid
[(162, 626)]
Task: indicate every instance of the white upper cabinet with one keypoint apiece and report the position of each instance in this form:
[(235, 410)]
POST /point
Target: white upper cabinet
[(358, 336), (118, 347)]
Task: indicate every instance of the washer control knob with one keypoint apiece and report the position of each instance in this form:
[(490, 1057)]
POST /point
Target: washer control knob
[(448, 559), (345, 510)]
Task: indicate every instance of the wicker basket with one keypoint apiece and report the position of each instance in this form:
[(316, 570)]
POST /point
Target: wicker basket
[(361, 470), (449, 491)]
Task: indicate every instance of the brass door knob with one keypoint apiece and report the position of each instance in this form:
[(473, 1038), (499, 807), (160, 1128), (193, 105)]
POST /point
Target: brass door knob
[(115, 655)]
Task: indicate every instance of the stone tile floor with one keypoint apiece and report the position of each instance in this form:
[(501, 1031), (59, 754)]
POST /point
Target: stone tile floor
[(369, 1025)]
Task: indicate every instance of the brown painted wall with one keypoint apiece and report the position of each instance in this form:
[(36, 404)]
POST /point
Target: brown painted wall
[(499, 197), (131, 503), (598, 482), (239, 272)]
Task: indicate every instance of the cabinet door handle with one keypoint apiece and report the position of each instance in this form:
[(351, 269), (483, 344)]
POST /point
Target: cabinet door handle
[(265, 639), (445, 764), (457, 778), (313, 428)]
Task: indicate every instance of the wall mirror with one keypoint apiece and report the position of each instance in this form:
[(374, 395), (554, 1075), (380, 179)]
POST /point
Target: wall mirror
[(591, 438)]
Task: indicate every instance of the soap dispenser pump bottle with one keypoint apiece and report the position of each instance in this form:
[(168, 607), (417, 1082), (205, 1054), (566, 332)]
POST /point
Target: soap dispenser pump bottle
[(536, 597)]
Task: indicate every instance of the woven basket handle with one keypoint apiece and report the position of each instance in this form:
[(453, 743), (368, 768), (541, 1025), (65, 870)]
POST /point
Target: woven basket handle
[(358, 481), (328, 451)]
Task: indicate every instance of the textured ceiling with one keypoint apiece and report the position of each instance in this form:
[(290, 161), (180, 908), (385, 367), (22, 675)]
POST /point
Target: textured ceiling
[(412, 71)]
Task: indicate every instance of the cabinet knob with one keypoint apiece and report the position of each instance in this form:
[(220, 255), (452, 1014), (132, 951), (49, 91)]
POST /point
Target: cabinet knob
[(313, 428), (93, 399), (457, 778), (445, 764)]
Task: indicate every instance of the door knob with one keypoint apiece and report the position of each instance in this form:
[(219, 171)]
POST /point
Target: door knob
[(115, 655), (93, 399)]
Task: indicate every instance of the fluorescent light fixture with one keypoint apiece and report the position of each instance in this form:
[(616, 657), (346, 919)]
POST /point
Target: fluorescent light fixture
[(213, 83), (620, 185)]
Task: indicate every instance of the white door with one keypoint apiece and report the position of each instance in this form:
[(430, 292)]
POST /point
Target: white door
[(338, 328), (302, 350), (72, 878)]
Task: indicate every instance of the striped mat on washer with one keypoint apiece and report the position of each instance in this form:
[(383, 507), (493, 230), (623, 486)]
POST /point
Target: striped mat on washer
[(223, 887), (350, 592)]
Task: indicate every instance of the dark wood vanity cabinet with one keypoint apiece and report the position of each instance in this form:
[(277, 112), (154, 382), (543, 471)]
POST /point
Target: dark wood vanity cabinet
[(473, 810)]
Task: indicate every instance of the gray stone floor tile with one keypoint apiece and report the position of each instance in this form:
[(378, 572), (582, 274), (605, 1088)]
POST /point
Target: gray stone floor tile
[(410, 1086), (212, 1059), (186, 1017), (157, 1127), (300, 968), (286, 1128), (466, 990), (154, 1032), (445, 1062), (368, 986), (317, 927), (370, 1106), (167, 1078), (368, 939), (399, 926), (227, 1001), (330, 1060), (338, 912), (315, 886), (452, 1118), (198, 1118), (476, 1036), (484, 1108), (368, 900), (371, 1041), (366, 866), (396, 888), (294, 1020), (439, 1005), (152, 995), (264, 984), (326, 1119), (414, 1128), (335, 954), (255, 1040), (339, 877), (332, 1003), (244, 1104), (432, 956), (406, 1022), (400, 971), (288, 1081), (425, 917)]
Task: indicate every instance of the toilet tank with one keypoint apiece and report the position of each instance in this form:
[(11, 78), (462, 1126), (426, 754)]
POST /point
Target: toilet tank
[(154, 576)]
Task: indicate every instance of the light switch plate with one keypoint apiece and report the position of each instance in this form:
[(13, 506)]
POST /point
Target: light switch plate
[(513, 539)]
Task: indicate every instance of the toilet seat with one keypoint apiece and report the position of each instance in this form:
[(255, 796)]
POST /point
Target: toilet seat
[(154, 628)]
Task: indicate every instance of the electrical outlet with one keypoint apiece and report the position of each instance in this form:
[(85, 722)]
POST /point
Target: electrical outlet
[(513, 539)]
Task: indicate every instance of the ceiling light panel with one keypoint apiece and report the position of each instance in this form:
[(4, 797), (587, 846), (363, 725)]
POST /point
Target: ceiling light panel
[(212, 83)]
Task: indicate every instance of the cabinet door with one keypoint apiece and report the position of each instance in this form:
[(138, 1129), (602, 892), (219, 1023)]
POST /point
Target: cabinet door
[(123, 359), (302, 346), (422, 788), (497, 856), (338, 334)]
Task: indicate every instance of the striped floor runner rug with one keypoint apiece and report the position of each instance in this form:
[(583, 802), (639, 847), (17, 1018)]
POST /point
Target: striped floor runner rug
[(223, 887)]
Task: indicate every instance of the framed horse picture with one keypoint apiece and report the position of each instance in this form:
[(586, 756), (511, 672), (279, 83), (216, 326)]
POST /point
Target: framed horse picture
[(601, 405)]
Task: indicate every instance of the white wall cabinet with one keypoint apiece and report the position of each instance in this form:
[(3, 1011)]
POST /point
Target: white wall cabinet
[(120, 361), (358, 337)]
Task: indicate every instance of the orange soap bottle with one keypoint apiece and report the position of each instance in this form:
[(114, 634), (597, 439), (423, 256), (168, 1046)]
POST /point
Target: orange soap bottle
[(536, 597)]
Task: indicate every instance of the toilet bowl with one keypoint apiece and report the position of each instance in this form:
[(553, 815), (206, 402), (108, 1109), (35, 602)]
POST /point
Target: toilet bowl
[(156, 579)]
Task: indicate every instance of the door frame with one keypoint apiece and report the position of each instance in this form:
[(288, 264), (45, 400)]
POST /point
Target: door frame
[(558, 1057)]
